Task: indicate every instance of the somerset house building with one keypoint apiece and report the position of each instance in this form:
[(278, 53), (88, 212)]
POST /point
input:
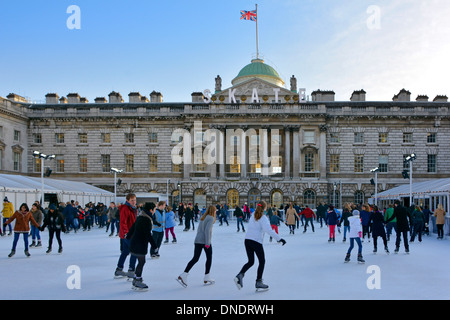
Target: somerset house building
[(325, 149)]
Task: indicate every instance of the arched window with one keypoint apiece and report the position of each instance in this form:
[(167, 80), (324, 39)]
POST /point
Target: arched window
[(359, 197), (232, 198), (277, 198), (254, 197), (309, 198)]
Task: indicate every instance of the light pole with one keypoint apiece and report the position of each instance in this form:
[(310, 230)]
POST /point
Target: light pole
[(410, 160), (375, 170), (42, 156), (116, 171)]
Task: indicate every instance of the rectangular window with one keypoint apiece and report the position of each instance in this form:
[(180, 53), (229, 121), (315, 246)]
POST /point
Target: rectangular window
[(129, 137), (37, 138), (308, 137), (309, 162), (59, 163), (16, 161), (383, 137), (235, 164), (176, 168), (359, 163), (59, 137), (82, 163), (129, 162), (431, 163), (106, 137), (106, 163), (431, 137), (16, 135), (277, 164), (153, 137), (383, 161), (407, 137), (82, 138), (334, 137), (358, 137), (153, 163), (335, 163)]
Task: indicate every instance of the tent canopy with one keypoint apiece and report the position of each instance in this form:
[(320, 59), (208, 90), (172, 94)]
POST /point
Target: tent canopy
[(419, 189)]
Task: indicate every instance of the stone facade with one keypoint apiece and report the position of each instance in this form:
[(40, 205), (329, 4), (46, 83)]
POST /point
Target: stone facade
[(327, 148)]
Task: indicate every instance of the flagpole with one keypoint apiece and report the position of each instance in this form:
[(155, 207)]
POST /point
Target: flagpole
[(257, 50)]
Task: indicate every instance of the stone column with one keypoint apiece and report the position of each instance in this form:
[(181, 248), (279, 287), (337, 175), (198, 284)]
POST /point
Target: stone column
[(243, 153), (296, 151), (287, 151), (323, 151), (187, 152)]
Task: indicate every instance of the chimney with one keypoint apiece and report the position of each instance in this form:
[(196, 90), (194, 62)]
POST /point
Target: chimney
[(144, 99), (16, 97), (358, 95), (421, 98), (197, 97), (156, 97), (115, 97), (63, 100), (51, 98), (322, 96), (84, 100), (403, 95), (73, 98), (134, 97), (100, 100), (440, 98)]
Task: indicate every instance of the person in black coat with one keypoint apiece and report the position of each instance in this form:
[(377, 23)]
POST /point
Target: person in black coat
[(54, 220), (403, 217), (377, 220), (140, 235)]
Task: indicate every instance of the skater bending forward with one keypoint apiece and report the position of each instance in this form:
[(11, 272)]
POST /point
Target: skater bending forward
[(202, 242), (355, 234), (258, 225)]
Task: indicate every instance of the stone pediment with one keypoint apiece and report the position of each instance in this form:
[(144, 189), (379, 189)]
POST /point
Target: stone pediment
[(255, 86)]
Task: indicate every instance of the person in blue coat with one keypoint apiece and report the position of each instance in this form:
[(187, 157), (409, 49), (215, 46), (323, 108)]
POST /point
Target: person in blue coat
[(170, 225)]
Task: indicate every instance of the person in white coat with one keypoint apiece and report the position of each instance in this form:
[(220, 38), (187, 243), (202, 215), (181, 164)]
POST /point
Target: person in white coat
[(355, 235), (258, 225)]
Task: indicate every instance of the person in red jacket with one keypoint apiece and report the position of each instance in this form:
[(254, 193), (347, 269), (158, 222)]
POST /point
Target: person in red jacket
[(309, 215), (128, 213)]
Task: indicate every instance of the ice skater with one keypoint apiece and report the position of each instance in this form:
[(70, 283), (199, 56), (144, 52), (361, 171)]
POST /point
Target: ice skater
[(377, 221), (139, 235), (258, 225), (202, 242), (355, 235), (22, 226), (54, 220)]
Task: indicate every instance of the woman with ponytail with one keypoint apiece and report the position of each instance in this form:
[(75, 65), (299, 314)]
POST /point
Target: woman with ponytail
[(258, 225)]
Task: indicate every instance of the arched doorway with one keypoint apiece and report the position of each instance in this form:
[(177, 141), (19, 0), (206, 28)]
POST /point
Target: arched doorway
[(254, 197), (309, 198), (277, 198), (200, 198), (232, 198)]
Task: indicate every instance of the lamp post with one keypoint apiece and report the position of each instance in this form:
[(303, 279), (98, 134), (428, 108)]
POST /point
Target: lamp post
[(410, 160), (116, 171), (376, 170), (42, 156)]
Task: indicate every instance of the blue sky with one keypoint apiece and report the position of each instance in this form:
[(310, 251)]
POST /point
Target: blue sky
[(178, 47)]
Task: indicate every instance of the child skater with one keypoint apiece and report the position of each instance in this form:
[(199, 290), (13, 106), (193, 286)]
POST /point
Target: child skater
[(139, 235), (355, 234), (170, 225), (258, 225), (202, 241)]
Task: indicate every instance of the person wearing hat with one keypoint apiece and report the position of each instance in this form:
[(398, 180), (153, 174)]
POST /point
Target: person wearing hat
[(55, 223), (7, 212)]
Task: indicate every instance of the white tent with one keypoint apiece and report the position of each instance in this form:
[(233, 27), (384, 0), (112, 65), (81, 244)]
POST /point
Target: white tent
[(20, 189)]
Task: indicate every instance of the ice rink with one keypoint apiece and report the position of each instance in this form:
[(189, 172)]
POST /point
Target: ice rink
[(306, 268)]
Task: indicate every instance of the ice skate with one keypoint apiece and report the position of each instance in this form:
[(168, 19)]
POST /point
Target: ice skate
[(13, 252), (396, 249), (39, 244), (207, 280), (130, 275), (119, 274), (27, 253), (360, 259), (60, 250), (260, 286), (49, 250), (238, 280), (33, 244), (138, 285), (182, 279), (386, 249), (347, 258), (407, 250), (375, 251), (174, 241)]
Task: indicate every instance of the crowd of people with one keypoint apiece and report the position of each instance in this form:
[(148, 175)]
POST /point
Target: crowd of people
[(136, 225)]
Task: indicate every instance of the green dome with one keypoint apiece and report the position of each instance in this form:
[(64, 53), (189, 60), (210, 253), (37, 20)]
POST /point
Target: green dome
[(258, 69)]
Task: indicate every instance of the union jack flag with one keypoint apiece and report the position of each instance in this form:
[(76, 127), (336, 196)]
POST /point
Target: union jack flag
[(248, 15)]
